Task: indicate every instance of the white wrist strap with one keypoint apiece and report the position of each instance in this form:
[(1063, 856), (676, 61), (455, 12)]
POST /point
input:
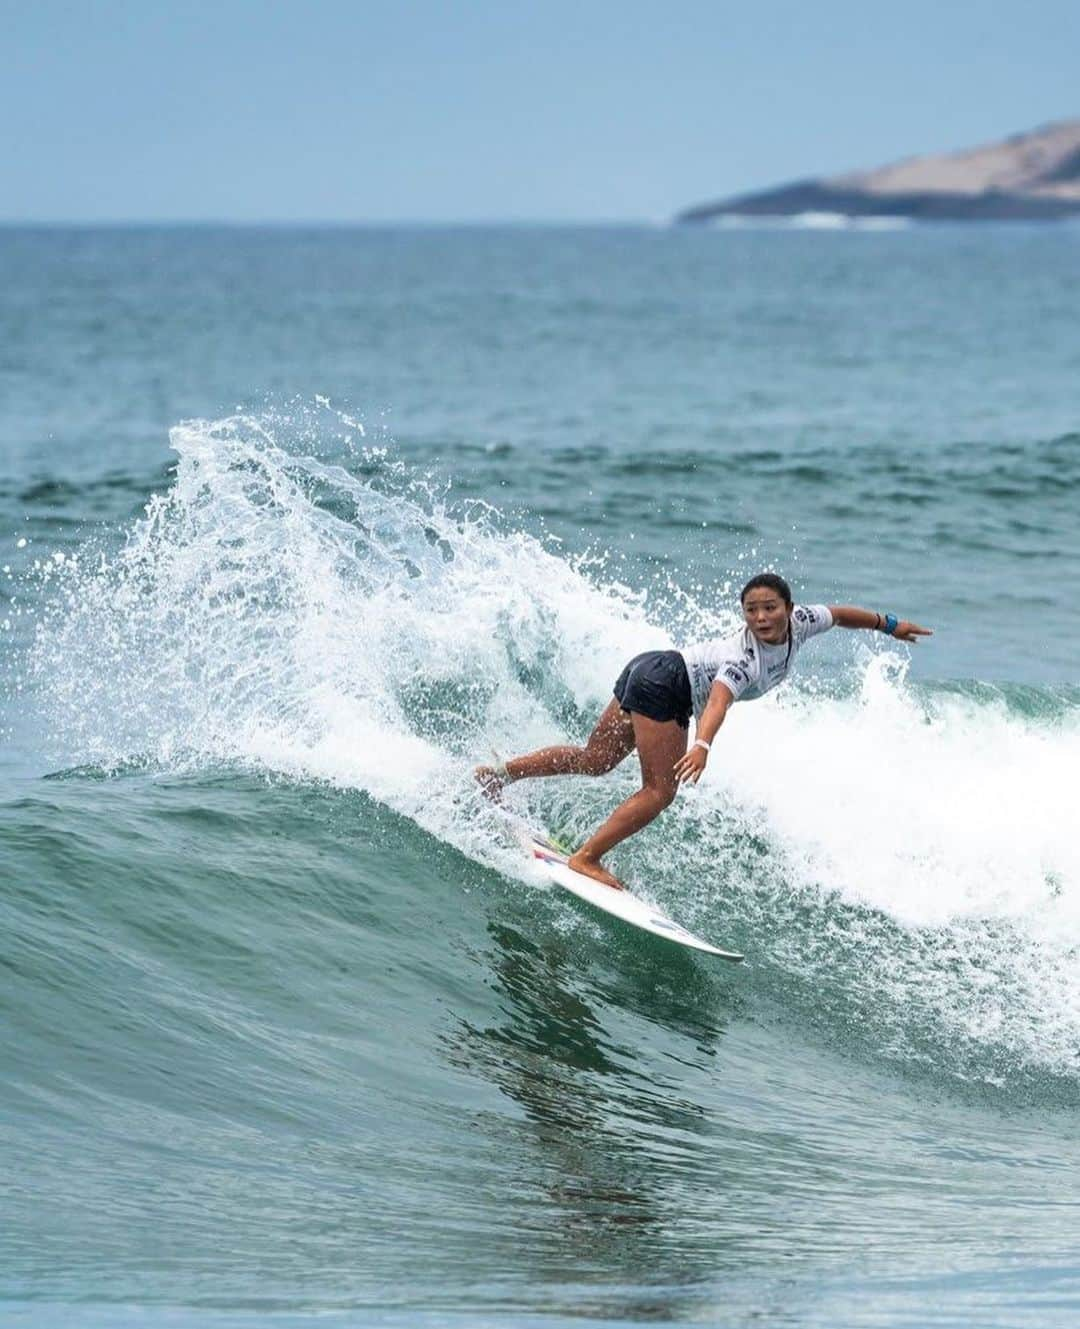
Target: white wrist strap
[(700, 743)]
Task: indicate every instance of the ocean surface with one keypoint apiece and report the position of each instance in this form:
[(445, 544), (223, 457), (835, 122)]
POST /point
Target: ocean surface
[(298, 525)]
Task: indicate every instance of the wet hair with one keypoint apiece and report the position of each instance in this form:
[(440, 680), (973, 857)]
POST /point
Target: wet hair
[(771, 582)]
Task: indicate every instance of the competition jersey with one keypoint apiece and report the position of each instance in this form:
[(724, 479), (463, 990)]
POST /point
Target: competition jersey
[(749, 667)]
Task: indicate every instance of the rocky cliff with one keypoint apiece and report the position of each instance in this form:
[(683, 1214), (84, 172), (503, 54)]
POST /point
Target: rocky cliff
[(1033, 176)]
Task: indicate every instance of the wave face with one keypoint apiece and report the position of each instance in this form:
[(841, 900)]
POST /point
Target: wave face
[(290, 1029)]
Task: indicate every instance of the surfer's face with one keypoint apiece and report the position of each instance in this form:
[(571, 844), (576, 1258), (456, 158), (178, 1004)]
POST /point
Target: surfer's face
[(766, 614)]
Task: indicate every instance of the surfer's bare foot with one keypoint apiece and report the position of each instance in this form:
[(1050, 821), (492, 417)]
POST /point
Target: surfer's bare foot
[(590, 867), (491, 782)]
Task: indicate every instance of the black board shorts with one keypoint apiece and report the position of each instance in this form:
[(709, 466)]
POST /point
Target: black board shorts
[(656, 684)]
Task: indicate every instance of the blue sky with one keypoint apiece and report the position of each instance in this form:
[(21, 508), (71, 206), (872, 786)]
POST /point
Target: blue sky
[(244, 110)]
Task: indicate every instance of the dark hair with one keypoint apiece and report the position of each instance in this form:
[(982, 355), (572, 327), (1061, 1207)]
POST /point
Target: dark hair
[(771, 582)]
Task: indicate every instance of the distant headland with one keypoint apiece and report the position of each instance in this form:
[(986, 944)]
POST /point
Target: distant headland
[(1028, 177)]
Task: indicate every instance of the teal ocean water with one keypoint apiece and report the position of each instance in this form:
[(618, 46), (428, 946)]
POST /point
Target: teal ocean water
[(296, 526)]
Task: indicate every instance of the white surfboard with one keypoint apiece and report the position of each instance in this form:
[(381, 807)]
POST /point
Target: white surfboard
[(620, 904)]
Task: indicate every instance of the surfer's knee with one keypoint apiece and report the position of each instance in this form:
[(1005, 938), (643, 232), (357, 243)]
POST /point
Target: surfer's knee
[(663, 794), (586, 762)]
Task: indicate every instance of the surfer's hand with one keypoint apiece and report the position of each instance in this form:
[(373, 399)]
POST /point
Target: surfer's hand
[(906, 631), (690, 765)]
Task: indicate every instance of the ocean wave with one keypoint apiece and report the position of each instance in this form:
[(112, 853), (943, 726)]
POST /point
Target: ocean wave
[(896, 861)]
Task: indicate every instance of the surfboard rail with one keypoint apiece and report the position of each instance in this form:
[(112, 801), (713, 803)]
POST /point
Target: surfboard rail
[(624, 904)]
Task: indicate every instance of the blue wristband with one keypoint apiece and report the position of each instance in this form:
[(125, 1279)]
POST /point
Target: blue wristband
[(891, 624)]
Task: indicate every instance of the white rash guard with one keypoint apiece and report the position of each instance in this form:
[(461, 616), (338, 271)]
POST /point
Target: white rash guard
[(749, 667)]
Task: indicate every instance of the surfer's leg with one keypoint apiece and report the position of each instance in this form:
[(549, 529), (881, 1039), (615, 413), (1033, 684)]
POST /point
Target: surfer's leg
[(660, 744), (610, 741)]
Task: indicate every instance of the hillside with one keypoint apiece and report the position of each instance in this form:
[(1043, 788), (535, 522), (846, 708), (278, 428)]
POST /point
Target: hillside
[(1032, 176)]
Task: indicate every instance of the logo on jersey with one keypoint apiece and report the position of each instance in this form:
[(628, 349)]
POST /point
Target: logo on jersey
[(738, 674)]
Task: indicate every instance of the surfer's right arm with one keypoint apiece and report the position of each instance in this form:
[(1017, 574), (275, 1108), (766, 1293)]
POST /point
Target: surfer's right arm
[(689, 767)]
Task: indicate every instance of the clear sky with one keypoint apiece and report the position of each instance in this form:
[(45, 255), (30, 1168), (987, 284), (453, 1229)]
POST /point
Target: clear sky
[(366, 110)]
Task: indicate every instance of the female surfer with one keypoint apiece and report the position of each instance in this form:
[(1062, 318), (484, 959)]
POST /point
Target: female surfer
[(656, 693)]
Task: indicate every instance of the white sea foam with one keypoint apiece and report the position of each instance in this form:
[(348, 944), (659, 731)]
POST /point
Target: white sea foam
[(931, 809), (812, 221), (346, 623), (935, 831)]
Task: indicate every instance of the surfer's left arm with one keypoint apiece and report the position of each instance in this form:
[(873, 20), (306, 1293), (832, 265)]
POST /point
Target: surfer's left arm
[(690, 765), (850, 616)]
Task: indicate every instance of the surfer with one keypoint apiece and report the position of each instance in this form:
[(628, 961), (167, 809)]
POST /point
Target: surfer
[(658, 691)]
